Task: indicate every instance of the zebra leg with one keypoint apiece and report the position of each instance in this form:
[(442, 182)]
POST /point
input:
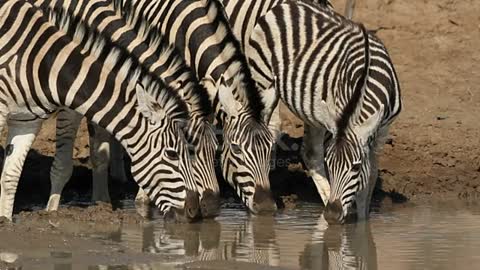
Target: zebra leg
[(364, 197), (142, 197), (68, 122), (20, 137), (100, 157), (275, 121), (117, 163), (349, 8), (313, 156)]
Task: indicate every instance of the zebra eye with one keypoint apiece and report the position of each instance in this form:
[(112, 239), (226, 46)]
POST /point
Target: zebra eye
[(172, 155), (356, 167), (236, 149)]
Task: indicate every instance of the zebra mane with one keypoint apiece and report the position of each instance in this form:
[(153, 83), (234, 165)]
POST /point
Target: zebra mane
[(351, 109), (252, 94), (94, 43), (325, 3), (163, 49)]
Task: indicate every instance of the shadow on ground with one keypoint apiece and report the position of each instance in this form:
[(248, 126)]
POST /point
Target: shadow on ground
[(289, 182)]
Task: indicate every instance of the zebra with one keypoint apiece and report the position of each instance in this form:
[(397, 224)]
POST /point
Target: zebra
[(163, 60), (243, 16), (42, 69), (200, 30), (339, 79)]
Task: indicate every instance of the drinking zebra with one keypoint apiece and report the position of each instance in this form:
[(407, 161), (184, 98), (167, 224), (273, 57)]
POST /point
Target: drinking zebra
[(339, 80), (243, 16), (155, 54), (200, 30), (41, 69)]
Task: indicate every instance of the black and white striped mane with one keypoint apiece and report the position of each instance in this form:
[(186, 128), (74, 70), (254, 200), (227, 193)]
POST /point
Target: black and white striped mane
[(156, 41), (104, 49), (254, 100), (253, 96)]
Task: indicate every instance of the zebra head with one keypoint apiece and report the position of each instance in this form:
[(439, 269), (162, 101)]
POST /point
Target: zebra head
[(161, 164), (347, 160), (202, 148), (246, 149)]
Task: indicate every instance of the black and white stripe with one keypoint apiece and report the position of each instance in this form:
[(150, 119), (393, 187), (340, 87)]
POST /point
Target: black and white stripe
[(337, 78), (41, 69), (200, 30), (155, 54), (243, 15)]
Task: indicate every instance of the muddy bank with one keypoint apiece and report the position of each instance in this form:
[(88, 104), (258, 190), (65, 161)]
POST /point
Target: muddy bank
[(38, 242)]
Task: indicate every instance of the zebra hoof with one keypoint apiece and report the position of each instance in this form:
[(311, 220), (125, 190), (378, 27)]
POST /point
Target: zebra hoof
[(210, 204), (263, 202)]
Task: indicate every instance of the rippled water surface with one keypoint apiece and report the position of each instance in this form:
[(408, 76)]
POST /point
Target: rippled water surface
[(408, 237)]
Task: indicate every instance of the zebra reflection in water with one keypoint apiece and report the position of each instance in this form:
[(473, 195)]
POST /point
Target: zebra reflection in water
[(349, 246), (252, 240), (260, 240)]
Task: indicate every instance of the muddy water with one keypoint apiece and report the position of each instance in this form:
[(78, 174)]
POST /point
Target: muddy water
[(443, 236)]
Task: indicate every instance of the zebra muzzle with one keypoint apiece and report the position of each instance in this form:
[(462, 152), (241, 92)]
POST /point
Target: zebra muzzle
[(334, 212), (263, 202), (210, 204), (192, 206), (190, 212)]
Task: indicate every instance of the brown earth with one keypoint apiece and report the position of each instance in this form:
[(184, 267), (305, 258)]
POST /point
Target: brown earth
[(434, 143)]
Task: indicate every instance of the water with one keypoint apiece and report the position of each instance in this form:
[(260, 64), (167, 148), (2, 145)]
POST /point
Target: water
[(443, 236)]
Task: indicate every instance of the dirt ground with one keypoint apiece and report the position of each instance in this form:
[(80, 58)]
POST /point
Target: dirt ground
[(433, 151)]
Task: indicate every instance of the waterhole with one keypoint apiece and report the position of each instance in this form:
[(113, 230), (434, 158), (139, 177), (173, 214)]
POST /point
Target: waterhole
[(441, 236)]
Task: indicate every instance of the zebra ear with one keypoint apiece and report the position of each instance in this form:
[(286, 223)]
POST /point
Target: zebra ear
[(270, 100), (148, 106), (324, 112), (369, 126), (225, 96), (179, 88)]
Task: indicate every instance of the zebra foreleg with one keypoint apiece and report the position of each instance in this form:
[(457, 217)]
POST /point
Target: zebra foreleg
[(275, 122), (100, 158), (349, 8), (68, 122), (314, 155), (365, 197), (21, 135), (141, 198), (117, 163)]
